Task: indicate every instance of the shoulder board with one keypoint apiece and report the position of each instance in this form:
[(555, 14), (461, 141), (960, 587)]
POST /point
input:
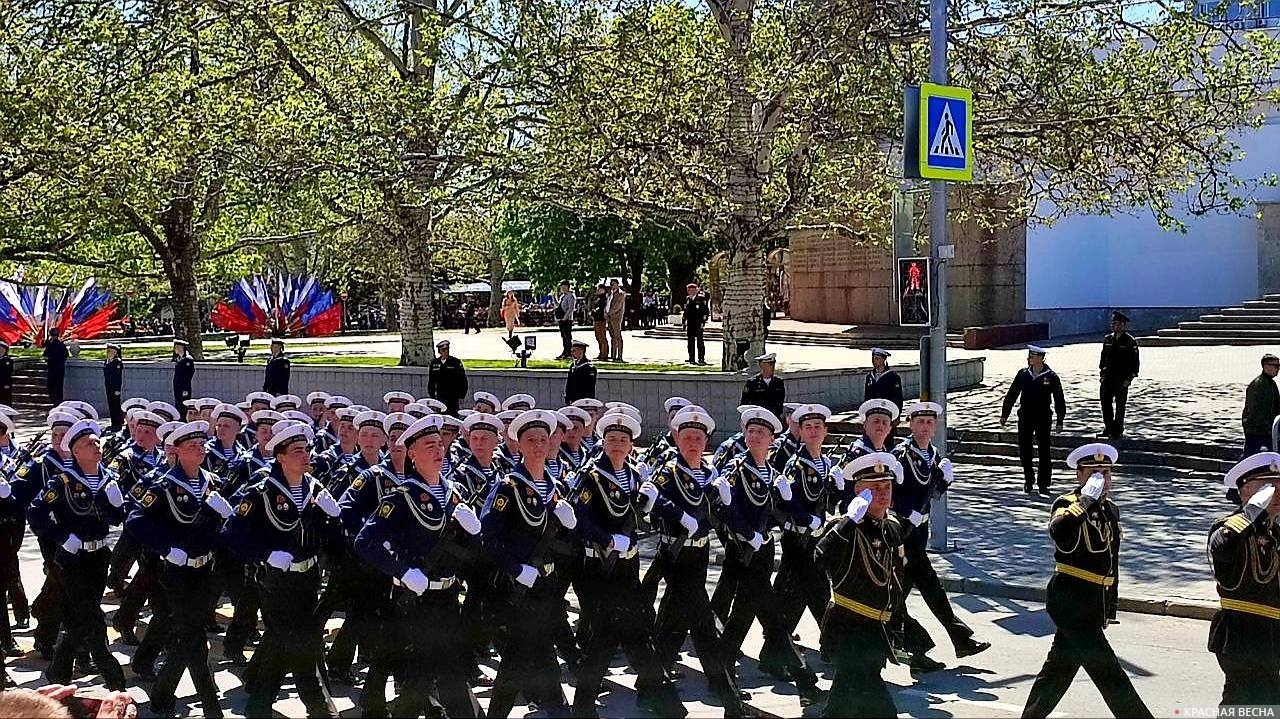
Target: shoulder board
[(1237, 523)]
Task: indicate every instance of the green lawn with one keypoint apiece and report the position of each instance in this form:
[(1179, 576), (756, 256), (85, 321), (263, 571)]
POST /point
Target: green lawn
[(99, 354), (378, 361)]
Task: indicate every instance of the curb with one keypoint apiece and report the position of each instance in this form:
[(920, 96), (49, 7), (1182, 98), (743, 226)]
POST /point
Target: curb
[(1181, 608)]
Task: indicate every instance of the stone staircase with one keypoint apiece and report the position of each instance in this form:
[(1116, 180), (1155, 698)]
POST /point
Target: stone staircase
[(1254, 322), (29, 395)]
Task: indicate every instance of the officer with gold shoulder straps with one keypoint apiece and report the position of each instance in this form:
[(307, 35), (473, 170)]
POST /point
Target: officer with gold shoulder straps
[(1245, 551), (1081, 597)]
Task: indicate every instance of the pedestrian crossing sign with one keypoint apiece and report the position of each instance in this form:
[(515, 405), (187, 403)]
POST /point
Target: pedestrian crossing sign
[(945, 133)]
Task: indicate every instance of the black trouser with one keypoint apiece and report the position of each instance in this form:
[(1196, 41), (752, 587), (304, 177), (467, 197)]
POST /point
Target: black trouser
[(380, 648), (245, 617), (800, 582), (919, 573), (53, 383), (685, 609), (437, 660), (49, 603), (189, 594), (476, 611), (114, 411), (158, 629), (858, 649), (1083, 646), (294, 643), (1033, 438), (613, 613), (11, 532), (693, 335), (653, 576), (84, 577), (1250, 680), (566, 335), (1114, 395), (144, 587), (529, 655), (754, 599), (722, 597), (345, 591), (123, 555)]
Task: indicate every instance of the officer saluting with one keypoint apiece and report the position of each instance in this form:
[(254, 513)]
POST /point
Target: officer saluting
[(1038, 386), (1116, 369), (178, 518), (276, 381), (765, 389), (882, 382), (1085, 527), (1245, 550), (184, 368)]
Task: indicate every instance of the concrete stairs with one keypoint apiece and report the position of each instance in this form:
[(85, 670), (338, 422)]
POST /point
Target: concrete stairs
[(29, 396), (863, 338), (1254, 322)]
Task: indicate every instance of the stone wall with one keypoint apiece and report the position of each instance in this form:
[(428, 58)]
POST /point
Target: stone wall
[(1269, 247), (839, 389)]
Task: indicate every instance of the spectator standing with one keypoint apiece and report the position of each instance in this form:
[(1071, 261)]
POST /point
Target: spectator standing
[(6, 374), (113, 380), (766, 389), (510, 312), (566, 305), (465, 309), (882, 382), (276, 381), (615, 309), (447, 378), (581, 380), (649, 306), (597, 322), (1041, 392), (55, 357), (1116, 369), (697, 310), (1261, 406), (184, 369)]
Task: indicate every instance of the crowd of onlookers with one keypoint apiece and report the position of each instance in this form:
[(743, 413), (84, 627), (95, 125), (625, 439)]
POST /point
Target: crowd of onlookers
[(468, 312)]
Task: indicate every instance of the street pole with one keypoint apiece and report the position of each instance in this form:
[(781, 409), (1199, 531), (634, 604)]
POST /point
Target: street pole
[(937, 239)]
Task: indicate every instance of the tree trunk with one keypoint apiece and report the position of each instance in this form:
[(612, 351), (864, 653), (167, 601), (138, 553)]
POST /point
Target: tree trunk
[(180, 269), (742, 306), (497, 273), (417, 340), (679, 274), (635, 293)]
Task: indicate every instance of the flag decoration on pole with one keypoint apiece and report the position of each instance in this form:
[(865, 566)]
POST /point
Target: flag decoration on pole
[(278, 306), (28, 312)]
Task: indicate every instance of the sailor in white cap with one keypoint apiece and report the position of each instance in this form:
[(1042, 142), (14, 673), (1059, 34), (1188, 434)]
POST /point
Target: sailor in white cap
[(316, 407), (878, 419), (789, 441), (663, 448), (434, 405), (447, 378), (450, 432), (508, 454), (595, 408), (76, 512), (1245, 633), (573, 452), (754, 487), (257, 458), (204, 408), (327, 435), (608, 501), (1082, 594), (1041, 392), (809, 480), (396, 400), (478, 471), (859, 554), (693, 487), (222, 450), (374, 484), (580, 381), (184, 369), (485, 402), (284, 402), (519, 402), (178, 518), (882, 382), (135, 466), (925, 475), (112, 379), (408, 539), (329, 464), (735, 445), (165, 410), (282, 521), (521, 509), (765, 388), (84, 409), (275, 379)]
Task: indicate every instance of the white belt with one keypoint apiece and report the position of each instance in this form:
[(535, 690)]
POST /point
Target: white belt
[(433, 585), (302, 566), (94, 545), (685, 541), (597, 554), (198, 562), (798, 529)]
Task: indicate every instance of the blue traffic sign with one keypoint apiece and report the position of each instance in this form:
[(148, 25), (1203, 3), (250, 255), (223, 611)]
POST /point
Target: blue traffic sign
[(944, 133)]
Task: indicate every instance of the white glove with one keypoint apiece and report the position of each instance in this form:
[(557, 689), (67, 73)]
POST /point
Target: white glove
[(722, 488), (327, 503), (176, 556), (112, 490), (689, 523), (5, 489), (837, 477), (527, 576), (815, 523), (415, 580), (1093, 488), (621, 543), (650, 494), (1259, 502), (466, 518), (280, 560), (858, 507), (948, 471), (218, 504), (645, 471), (916, 518), (564, 513), (756, 541), (784, 488), (73, 544)]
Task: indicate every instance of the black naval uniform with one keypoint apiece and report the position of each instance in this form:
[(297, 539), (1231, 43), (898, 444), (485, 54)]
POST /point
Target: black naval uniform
[(405, 532), (580, 382), (1117, 367), (133, 468), (769, 394), (48, 606), (55, 357), (276, 381), (184, 369), (1081, 597), (886, 385), (800, 582), (1245, 633), (268, 519), (447, 382), (6, 379), (608, 503), (862, 561), (67, 506), (697, 310), (113, 379), (1035, 418), (174, 512)]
